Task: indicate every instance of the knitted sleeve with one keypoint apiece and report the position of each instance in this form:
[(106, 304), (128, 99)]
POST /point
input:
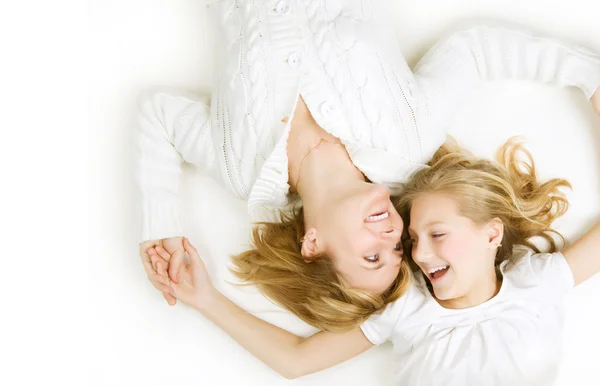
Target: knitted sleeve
[(454, 66), (171, 130)]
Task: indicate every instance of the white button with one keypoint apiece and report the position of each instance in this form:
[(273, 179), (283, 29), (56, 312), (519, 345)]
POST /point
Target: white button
[(282, 7), (326, 108), (295, 60)]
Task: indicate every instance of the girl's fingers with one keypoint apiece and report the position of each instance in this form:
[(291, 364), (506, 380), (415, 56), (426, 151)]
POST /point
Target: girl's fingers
[(191, 251)]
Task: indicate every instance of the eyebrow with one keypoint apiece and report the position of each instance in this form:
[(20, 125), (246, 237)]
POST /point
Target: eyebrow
[(426, 225)]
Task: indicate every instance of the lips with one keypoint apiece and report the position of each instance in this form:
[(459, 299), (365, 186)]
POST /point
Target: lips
[(436, 273), (378, 216)]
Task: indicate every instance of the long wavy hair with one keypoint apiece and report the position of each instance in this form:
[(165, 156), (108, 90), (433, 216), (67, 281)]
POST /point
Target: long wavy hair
[(507, 189), (314, 292)]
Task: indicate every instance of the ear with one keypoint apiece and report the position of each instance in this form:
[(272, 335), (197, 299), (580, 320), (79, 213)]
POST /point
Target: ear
[(495, 233), (309, 245)]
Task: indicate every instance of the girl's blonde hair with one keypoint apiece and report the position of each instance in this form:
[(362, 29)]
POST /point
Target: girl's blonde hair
[(315, 292), (507, 189)]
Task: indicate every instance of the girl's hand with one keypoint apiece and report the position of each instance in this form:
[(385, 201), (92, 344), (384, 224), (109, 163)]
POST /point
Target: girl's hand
[(194, 287), (596, 101)]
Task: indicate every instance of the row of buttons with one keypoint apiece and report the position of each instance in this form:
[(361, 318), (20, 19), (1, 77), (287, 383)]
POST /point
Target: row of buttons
[(282, 7), (294, 60)]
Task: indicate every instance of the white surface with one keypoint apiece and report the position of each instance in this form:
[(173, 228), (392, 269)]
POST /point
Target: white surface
[(139, 340)]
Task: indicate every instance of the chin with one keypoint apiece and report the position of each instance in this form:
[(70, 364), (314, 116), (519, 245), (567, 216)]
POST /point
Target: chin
[(443, 294)]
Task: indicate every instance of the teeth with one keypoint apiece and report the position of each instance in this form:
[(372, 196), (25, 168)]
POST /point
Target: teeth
[(433, 270), (378, 217)]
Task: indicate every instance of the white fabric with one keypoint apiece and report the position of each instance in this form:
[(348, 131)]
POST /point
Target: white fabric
[(136, 339), (346, 64), (515, 338)]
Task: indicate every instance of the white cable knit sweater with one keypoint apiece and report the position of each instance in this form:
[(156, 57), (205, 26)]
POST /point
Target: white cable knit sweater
[(344, 61)]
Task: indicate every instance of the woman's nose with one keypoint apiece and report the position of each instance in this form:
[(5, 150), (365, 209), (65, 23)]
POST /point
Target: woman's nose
[(391, 236), (391, 232)]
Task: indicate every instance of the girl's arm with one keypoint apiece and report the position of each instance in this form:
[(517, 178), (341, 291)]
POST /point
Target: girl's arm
[(455, 66), (596, 101), (583, 256), (289, 355)]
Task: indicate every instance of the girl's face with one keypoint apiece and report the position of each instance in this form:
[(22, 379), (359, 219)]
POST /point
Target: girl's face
[(455, 254)]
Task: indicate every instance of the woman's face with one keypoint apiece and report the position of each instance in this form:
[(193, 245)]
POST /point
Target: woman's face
[(362, 231), (452, 251)]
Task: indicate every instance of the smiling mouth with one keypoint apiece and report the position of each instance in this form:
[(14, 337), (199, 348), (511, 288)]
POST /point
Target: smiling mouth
[(378, 216), (437, 272)]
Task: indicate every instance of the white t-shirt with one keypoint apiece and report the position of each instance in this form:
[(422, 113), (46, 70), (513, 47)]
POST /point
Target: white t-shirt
[(513, 339)]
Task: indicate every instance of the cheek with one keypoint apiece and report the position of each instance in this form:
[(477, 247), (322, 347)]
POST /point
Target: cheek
[(455, 250)]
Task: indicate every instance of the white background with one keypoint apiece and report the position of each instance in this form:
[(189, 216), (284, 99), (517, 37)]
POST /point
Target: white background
[(78, 308)]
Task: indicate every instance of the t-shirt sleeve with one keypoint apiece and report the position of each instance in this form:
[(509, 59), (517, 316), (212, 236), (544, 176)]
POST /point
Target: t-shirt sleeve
[(553, 269), (549, 271), (379, 327)]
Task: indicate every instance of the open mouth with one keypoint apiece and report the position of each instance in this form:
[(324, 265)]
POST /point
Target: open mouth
[(438, 272), (378, 216)]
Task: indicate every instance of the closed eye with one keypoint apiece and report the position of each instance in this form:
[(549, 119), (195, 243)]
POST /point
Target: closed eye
[(398, 247), (437, 235)]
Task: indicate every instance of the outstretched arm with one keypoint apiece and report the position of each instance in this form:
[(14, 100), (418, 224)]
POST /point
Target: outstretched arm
[(451, 70), (171, 130), (289, 355), (583, 256), (596, 101)]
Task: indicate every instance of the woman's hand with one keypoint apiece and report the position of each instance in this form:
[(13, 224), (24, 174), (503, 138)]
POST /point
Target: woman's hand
[(194, 287), (596, 101), (156, 268)]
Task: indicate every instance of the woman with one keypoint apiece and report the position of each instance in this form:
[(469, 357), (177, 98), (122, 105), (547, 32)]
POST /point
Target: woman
[(317, 105)]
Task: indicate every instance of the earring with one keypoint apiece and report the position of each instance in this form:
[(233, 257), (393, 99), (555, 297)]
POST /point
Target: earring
[(498, 245)]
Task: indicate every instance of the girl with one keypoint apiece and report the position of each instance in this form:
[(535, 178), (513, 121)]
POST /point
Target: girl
[(485, 307), (313, 101)]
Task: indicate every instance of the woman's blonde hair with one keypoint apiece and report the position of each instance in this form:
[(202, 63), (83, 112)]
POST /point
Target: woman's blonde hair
[(315, 291), (507, 189)]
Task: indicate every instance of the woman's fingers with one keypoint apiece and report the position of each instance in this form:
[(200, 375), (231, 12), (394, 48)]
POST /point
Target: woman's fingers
[(166, 256), (160, 283), (155, 263), (161, 269), (170, 299), (176, 264), (154, 260), (145, 254), (148, 266)]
